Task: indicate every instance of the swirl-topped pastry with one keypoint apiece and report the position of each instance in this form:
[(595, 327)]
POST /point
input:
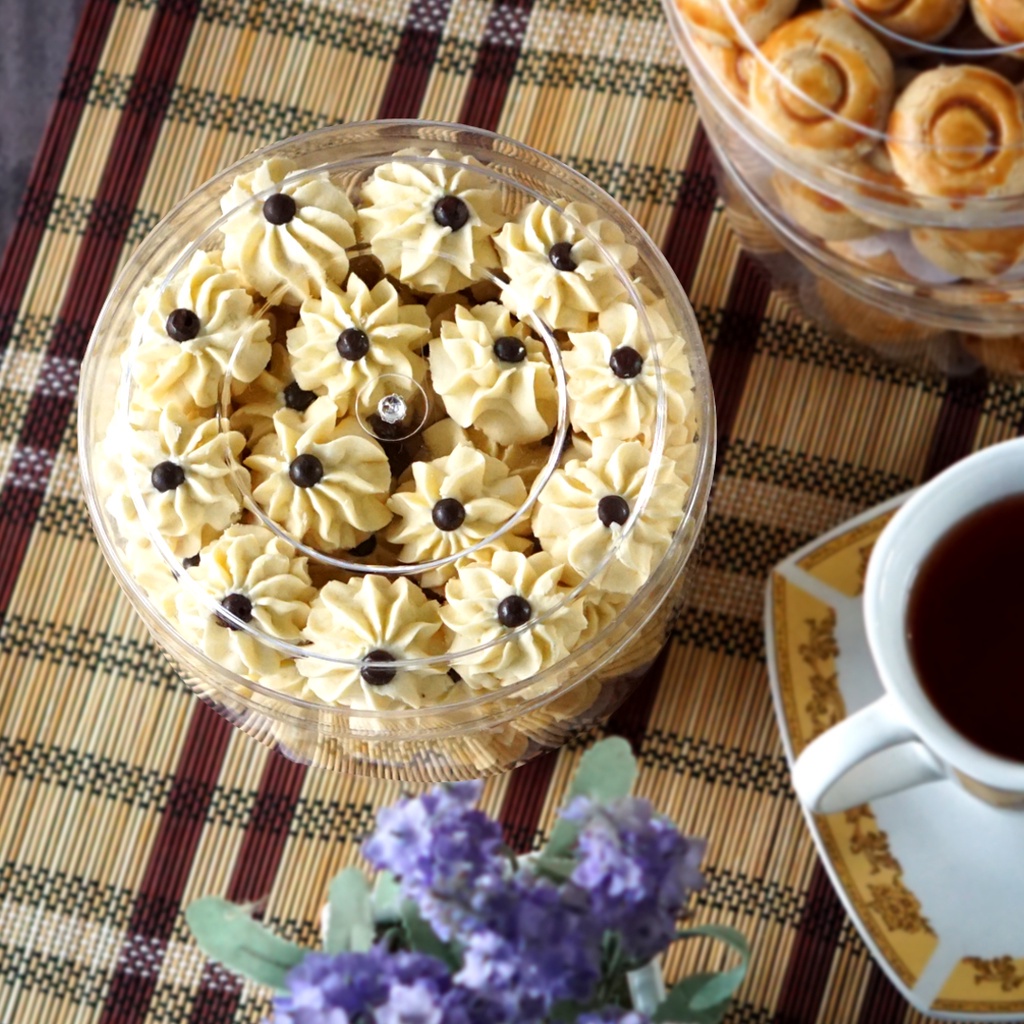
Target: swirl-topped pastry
[(374, 621), (556, 270), (184, 471), (926, 21), (487, 599), (248, 575), (194, 329), (580, 514), (287, 247), (612, 377), (958, 132), (450, 504), (430, 224), (347, 338), (758, 18), (1001, 20), (325, 482), (729, 65), (972, 253), (494, 375), (818, 213), (825, 86)]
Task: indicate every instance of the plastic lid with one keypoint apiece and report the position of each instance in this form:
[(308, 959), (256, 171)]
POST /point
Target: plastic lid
[(403, 391)]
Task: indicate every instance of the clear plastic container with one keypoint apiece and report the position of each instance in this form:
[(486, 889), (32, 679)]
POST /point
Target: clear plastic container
[(473, 698), (892, 165)]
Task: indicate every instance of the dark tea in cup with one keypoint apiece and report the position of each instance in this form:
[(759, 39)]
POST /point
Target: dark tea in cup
[(965, 626)]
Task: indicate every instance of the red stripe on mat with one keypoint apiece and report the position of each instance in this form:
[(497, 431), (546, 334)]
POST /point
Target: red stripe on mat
[(414, 59), (496, 62), (46, 422), (170, 861), (20, 254), (692, 213), (957, 426), (882, 1000), (48, 414), (810, 962), (255, 870)]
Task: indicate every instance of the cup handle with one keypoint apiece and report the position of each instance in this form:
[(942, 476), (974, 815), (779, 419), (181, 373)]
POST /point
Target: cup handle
[(871, 754)]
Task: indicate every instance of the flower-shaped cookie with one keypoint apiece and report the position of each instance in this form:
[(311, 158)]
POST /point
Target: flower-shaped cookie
[(450, 504), (488, 599), (430, 224), (325, 482), (374, 621), (602, 610), (294, 241), (580, 514), (247, 575), (253, 410), (612, 378), (557, 270), (522, 460), (183, 470), (198, 327), (347, 338), (492, 374)]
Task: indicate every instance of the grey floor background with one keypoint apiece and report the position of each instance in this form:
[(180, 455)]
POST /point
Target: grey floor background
[(35, 38)]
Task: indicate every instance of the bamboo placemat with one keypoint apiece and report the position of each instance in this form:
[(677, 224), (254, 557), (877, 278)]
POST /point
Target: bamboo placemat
[(123, 798)]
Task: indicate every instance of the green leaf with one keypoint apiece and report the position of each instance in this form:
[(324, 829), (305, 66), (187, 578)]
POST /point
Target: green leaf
[(704, 998), (227, 933), (387, 899), (606, 772), (349, 914), (422, 938), (555, 867)]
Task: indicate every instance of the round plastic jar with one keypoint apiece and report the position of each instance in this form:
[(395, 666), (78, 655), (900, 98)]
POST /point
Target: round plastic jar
[(871, 154), (395, 500)]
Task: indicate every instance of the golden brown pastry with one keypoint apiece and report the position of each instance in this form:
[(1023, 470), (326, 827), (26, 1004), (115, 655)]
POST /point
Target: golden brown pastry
[(879, 260), (999, 354), (863, 321), (1001, 20), (926, 21), (730, 66), (709, 20), (874, 178), (972, 253), (825, 87), (817, 213), (753, 232), (958, 131)]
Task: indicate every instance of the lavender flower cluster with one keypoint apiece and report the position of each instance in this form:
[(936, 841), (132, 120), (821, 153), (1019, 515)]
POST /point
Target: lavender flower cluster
[(529, 944)]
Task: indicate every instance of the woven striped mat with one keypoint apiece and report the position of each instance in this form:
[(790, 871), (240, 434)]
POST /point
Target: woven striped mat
[(123, 798)]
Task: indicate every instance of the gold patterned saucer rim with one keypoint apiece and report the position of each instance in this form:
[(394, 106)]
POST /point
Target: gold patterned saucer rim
[(951, 950)]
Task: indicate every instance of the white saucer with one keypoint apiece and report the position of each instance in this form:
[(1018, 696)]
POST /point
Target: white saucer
[(932, 878)]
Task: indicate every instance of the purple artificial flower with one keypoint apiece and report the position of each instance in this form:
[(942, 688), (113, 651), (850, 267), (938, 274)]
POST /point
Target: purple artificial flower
[(378, 987), (532, 947), (422, 1003), (614, 1015), (444, 852), (636, 870), (347, 987)]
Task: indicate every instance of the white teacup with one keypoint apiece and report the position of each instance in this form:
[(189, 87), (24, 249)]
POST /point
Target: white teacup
[(901, 740)]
